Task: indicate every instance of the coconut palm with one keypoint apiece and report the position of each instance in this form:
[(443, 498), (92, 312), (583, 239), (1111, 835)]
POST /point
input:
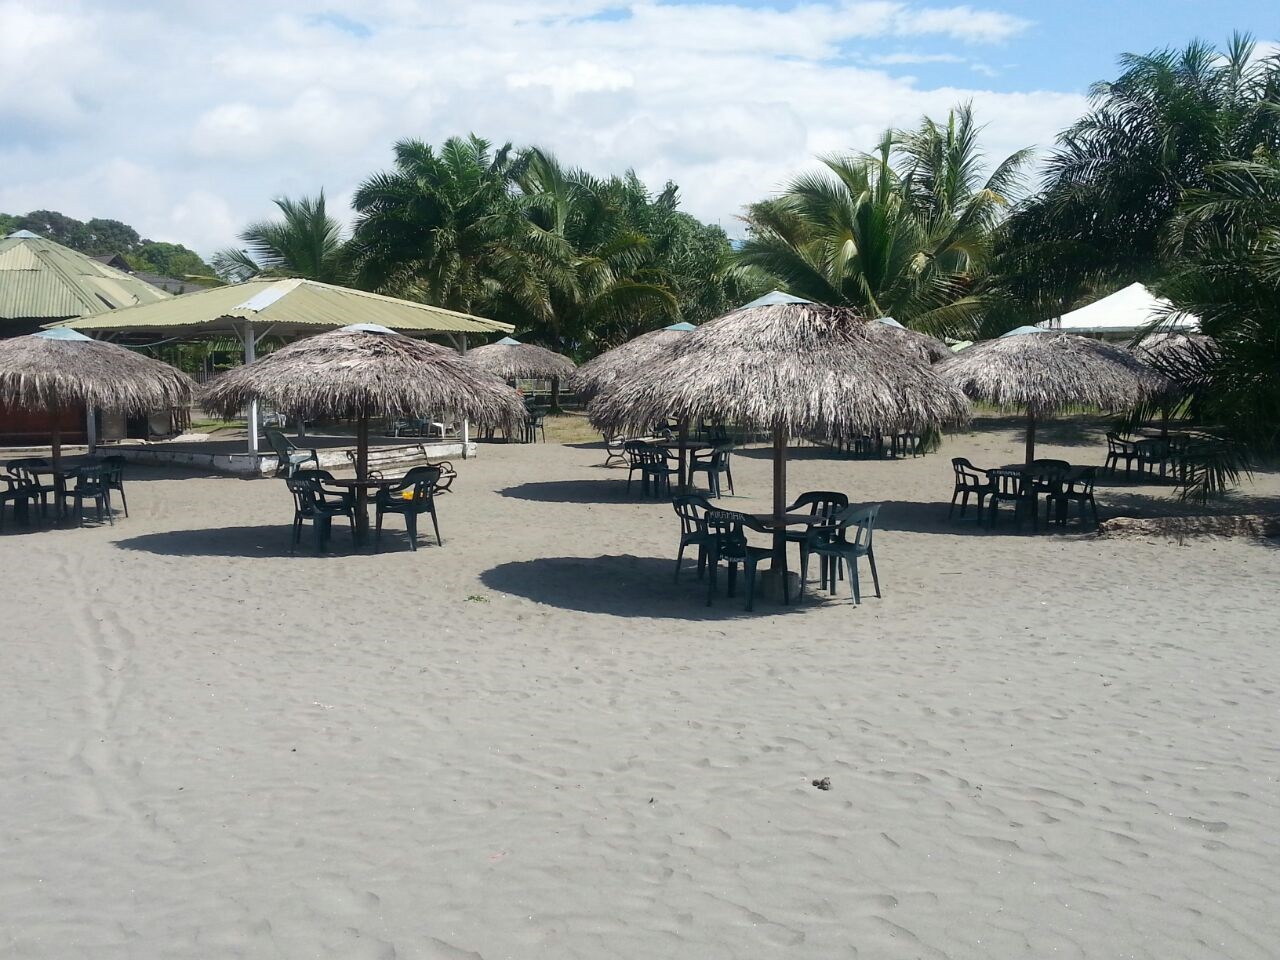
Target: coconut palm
[(909, 239), (943, 177), (1118, 175), (597, 267), (1226, 241), (443, 226), (306, 243)]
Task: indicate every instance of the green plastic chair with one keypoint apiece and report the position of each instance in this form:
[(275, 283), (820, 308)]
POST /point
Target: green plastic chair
[(1015, 487), (113, 475), (420, 482), (37, 491), (329, 496), (309, 504), (713, 465), (728, 542), (970, 481), (90, 484), (1117, 450), (838, 548), (288, 457), (1078, 489), (819, 503), (18, 491), (691, 509)]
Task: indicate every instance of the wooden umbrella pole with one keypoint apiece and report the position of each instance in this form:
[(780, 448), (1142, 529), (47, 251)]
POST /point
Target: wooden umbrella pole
[(779, 496), (55, 438), (362, 473), (362, 447), (55, 431), (684, 469), (779, 471), (1031, 437)]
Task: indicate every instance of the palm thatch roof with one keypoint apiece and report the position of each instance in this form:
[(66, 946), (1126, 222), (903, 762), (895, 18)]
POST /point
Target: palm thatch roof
[(1185, 360), (794, 367), (512, 360), (927, 348), (930, 349), (365, 371), (1044, 372), (54, 368), (625, 360), (1174, 347)]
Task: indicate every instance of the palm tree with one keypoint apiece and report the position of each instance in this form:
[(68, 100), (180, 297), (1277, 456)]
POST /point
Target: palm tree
[(587, 243), (443, 226), (307, 243), (943, 178), (910, 240), (1225, 241), (1118, 175)]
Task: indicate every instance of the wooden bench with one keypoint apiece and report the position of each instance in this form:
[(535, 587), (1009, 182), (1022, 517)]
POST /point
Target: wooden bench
[(385, 457)]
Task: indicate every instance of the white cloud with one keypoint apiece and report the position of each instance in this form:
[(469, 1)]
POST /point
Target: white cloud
[(964, 23), (894, 59), (190, 137)]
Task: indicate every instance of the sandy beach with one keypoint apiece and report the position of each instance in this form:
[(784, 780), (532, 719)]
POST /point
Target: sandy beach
[(530, 743)]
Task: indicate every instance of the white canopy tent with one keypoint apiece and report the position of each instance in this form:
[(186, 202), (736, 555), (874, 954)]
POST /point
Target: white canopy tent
[(1122, 315)]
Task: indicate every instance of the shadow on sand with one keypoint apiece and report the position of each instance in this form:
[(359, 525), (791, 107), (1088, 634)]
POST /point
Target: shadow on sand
[(914, 516), (613, 490), (262, 541), (627, 586)]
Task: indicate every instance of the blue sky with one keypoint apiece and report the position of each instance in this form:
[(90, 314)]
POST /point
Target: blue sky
[(189, 139), (1068, 46)]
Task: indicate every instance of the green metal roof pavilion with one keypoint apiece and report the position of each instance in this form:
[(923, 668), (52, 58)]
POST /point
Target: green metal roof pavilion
[(283, 307), (287, 307), (41, 281)]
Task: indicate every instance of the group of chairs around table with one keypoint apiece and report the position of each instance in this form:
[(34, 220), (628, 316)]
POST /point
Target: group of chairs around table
[(656, 465), (318, 500), (1165, 455), (1021, 487), (29, 486), (840, 536)]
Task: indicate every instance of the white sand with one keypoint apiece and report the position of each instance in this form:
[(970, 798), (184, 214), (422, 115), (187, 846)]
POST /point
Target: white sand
[(1038, 747)]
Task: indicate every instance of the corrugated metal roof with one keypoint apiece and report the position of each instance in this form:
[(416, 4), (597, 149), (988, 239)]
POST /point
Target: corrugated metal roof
[(287, 306), (43, 279)]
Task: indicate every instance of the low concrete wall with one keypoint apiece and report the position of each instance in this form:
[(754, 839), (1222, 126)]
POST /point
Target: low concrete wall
[(264, 464)]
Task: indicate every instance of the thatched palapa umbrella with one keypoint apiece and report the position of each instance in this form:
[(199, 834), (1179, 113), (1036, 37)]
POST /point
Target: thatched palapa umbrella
[(929, 349), (1181, 358), (1043, 372), (364, 371), (55, 368), (1167, 347), (512, 360), (789, 368), (625, 360)]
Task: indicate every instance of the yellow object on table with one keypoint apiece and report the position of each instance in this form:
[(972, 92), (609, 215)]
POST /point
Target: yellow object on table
[(406, 494)]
